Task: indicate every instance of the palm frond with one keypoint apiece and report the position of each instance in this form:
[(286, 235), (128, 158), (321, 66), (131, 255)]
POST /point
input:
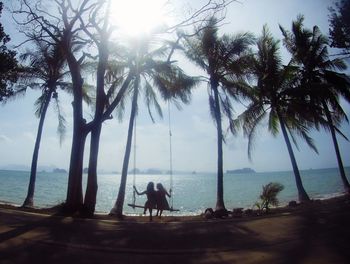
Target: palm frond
[(120, 110), (273, 124), (302, 130), (87, 89), (226, 105), (341, 133), (250, 120), (173, 83), (61, 128), (38, 104), (253, 132), (151, 100)]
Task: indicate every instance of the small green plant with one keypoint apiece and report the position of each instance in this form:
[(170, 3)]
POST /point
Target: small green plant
[(269, 196)]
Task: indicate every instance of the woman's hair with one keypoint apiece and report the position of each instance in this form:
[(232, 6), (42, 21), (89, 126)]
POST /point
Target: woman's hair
[(160, 187), (150, 186)]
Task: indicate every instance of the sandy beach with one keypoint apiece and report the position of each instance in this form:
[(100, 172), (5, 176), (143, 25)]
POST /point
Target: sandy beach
[(314, 233)]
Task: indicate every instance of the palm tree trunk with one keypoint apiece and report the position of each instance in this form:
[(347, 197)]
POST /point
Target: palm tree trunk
[(29, 201), (220, 177), (336, 147), (303, 196), (118, 206), (74, 199), (91, 187)]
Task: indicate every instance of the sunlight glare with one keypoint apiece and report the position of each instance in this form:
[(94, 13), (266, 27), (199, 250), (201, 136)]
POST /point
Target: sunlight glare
[(135, 17)]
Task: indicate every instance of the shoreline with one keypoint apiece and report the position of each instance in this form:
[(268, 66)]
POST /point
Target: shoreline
[(283, 203), (247, 214)]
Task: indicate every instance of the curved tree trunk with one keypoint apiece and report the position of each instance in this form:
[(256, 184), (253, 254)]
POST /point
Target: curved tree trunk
[(220, 177), (74, 199), (337, 151), (303, 196), (29, 201), (118, 206), (91, 188)]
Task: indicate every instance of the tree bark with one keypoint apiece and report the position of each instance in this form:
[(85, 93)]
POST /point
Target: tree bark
[(118, 206), (303, 196), (29, 201), (91, 188), (220, 176), (337, 150), (74, 199)]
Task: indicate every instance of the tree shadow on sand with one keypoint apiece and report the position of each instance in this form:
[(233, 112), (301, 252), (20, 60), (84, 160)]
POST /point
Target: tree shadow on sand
[(315, 232), (322, 233)]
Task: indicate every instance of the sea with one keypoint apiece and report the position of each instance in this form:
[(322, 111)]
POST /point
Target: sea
[(192, 192)]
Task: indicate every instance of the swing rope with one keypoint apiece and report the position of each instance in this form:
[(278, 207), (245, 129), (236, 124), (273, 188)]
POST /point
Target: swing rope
[(133, 204), (134, 172), (171, 159)]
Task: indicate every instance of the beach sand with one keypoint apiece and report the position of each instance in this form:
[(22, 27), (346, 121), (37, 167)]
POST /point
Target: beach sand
[(318, 232)]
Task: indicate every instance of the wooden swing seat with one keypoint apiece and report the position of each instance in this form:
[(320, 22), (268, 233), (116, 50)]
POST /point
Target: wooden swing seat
[(143, 207)]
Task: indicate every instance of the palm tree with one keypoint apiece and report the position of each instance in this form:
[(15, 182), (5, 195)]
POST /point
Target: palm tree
[(319, 80), (225, 60), (171, 82), (46, 72), (276, 96), (268, 196)]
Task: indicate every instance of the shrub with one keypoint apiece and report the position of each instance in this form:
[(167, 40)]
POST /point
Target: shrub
[(269, 196)]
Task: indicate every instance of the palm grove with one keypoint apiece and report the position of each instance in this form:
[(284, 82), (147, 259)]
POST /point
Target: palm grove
[(80, 39)]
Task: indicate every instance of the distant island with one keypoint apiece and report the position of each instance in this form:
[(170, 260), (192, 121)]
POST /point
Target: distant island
[(148, 171), (244, 170), (57, 170)]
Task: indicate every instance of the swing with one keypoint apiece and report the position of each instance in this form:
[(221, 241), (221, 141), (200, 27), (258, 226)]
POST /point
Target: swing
[(133, 204)]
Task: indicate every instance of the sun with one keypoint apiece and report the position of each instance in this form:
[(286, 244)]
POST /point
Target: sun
[(134, 17)]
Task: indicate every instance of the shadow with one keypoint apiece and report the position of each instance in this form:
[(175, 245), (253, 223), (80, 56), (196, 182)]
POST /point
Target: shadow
[(68, 240), (37, 238), (315, 230), (322, 233)]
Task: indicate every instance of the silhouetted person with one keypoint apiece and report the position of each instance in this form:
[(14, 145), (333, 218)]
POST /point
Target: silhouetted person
[(151, 202), (162, 203)]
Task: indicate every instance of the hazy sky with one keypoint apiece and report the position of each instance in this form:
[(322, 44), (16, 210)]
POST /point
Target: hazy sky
[(194, 133)]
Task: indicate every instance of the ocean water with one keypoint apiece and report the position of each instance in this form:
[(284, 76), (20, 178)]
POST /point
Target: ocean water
[(192, 193)]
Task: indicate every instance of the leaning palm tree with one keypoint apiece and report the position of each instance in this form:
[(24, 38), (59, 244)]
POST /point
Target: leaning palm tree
[(275, 96), (268, 196), (152, 73), (320, 80), (45, 71), (225, 60)]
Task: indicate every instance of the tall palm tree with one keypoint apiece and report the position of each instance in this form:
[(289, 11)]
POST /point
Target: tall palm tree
[(275, 96), (320, 80), (151, 69), (225, 60), (45, 71)]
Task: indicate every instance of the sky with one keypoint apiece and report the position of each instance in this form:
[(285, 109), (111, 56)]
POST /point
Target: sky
[(193, 131)]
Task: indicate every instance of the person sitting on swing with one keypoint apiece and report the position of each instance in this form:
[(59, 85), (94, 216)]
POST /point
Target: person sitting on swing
[(151, 202), (162, 203)]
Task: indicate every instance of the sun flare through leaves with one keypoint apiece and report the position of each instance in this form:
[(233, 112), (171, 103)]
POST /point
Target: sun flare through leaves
[(135, 17)]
